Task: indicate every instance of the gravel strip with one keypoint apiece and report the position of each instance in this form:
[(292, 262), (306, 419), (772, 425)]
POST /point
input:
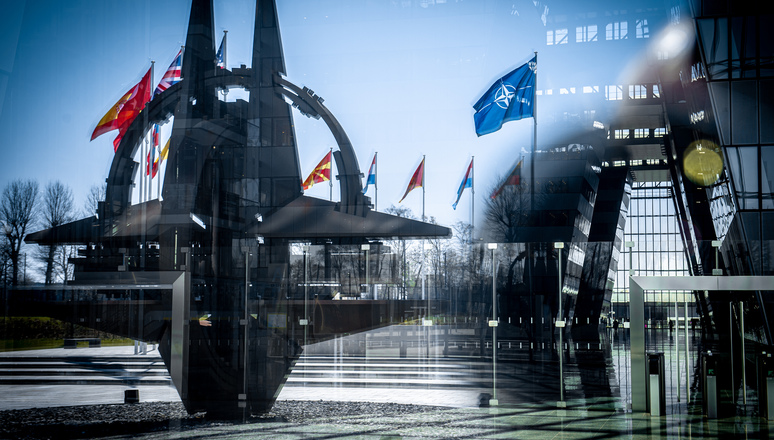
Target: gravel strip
[(132, 419)]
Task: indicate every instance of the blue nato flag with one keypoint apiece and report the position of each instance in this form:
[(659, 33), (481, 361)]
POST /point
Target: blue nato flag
[(509, 99)]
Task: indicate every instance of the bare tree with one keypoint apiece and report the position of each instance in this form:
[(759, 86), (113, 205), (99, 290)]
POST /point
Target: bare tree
[(400, 247), (5, 261), (57, 210), (62, 267), (96, 195), (506, 212), (18, 212)]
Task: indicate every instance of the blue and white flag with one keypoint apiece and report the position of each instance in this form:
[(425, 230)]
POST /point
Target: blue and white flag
[(467, 182), (220, 57), (509, 99), (371, 179)]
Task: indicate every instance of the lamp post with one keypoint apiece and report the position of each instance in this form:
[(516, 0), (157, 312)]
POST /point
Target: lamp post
[(493, 323), (427, 322), (560, 325), (367, 248), (305, 321)]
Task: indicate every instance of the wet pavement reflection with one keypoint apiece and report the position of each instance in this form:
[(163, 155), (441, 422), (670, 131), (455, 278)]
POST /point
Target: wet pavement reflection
[(452, 365)]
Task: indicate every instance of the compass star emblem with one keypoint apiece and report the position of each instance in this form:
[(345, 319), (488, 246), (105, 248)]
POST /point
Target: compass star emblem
[(504, 95)]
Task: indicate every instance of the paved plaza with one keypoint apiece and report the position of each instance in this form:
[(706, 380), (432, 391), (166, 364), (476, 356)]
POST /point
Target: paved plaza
[(333, 394)]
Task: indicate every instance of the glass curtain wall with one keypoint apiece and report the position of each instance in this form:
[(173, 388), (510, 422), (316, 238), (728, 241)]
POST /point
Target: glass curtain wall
[(653, 247)]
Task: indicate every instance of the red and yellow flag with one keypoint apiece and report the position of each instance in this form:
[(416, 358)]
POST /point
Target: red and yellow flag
[(417, 180), (320, 173), (513, 179), (121, 115)]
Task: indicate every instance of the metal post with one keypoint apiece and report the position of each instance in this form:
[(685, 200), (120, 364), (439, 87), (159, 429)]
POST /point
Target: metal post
[(677, 348), (731, 353), (306, 292), (560, 326), (741, 337), (687, 359), (367, 248), (425, 286), (493, 323), (638, 368), (245, 322)]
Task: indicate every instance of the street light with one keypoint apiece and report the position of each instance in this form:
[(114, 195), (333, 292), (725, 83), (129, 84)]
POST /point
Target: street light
[(493, 323), (305, 322), (426, 289), (560, 325), (367, 248)]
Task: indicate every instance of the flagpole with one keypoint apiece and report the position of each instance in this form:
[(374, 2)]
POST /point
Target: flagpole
[(376, 187), (150, 148), (158, 186), (141, 178), (225, 59), (472, 197), (423, 187), (534, 139), (330, 181)]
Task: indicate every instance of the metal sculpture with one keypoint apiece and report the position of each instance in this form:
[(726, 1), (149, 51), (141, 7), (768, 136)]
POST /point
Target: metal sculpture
[(205, 270)]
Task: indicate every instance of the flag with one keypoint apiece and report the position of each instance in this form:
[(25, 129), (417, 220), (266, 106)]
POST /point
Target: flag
[(320, 173), (371, 179), (164, 151), (220, 57), (510, 98), (121, 115), (417, 180), (155, 150), (160, 157), (173, 75), (467, 182), (514, 178)]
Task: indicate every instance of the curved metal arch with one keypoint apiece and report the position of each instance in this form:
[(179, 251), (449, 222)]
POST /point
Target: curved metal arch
[(352, 199), (121, 176)]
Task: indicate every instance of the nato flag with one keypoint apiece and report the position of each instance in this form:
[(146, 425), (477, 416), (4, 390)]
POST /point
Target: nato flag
[(509, 99)]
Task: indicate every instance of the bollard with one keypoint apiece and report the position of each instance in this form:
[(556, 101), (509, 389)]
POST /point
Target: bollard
[(710, 386), (656, 384), (766, 385), (131, 396)]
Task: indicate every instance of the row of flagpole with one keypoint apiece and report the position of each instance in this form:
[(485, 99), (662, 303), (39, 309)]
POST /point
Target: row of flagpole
[(322, 173), (510, 98)]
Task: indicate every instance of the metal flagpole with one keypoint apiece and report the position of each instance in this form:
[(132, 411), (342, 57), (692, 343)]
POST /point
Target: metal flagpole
[(330, 172), (472, 197), (149, 155), (158, 185), (225, 59), (376, 178), (423, 187), (534, 138), (141, 170)]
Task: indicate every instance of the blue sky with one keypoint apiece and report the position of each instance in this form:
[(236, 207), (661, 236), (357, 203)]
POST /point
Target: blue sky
[(400, 76)]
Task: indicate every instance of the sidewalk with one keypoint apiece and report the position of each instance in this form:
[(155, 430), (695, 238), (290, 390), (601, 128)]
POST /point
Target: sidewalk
[(48, 395)]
